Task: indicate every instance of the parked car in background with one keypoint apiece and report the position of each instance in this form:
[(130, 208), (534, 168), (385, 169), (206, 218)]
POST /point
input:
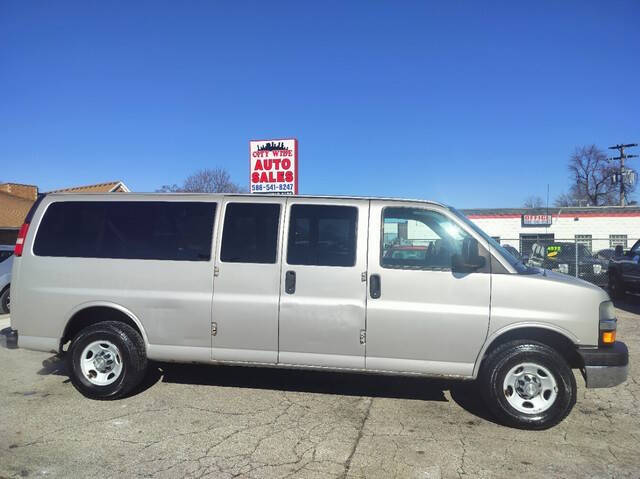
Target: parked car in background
[(418, 253), (624, 271), (605, 254), (6, 263), (514, 252), (562, 258)]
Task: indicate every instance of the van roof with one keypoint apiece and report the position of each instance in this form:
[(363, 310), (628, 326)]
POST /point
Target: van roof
[(245, 195)]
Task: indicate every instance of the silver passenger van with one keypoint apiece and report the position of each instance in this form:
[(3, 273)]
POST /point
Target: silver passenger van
[(351, 284)]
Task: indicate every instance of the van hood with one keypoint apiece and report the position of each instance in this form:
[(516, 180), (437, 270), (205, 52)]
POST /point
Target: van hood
[(568, 280)]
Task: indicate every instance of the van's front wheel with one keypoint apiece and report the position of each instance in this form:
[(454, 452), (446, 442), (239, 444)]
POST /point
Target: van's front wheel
[(528, 385), (107, 360)]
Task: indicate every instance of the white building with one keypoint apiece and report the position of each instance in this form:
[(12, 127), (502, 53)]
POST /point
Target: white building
[(597, 227)]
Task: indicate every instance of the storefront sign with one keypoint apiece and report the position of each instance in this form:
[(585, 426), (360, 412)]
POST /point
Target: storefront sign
[(273, 166), (536, 220)]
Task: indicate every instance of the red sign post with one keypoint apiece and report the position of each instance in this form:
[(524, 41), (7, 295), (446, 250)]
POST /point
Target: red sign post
[(273, 166)]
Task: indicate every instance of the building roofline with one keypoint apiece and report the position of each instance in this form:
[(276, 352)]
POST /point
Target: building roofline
[(74, 189), (17, 184), (123, 186), (551, 210), (573, 211)]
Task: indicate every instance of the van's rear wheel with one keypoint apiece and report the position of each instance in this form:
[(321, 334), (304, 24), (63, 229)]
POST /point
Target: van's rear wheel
[(528, 385), (107, 360)]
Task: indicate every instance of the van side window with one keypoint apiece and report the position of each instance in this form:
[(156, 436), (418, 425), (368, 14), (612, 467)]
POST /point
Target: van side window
[(250, 233), (160, 230), (419, 239), (322, 235)]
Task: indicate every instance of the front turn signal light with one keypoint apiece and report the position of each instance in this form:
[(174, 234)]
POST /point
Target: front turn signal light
[(608, 337)]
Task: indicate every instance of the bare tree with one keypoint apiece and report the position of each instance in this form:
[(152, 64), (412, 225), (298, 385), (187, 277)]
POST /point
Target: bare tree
[(533, 202), (216, 180), (592, 177), (169, 189), (564, 200)]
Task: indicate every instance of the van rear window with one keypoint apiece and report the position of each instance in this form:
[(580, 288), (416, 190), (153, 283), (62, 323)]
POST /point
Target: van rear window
[(161, 230), (250, 233)]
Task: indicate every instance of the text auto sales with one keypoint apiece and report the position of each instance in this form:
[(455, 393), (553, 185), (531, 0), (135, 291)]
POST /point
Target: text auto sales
[(272, 170)]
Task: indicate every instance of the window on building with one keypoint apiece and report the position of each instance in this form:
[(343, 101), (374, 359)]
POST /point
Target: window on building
[(615, 240), (322, 235), (585, 240), (160, 230), (250, 233), (419, 239)]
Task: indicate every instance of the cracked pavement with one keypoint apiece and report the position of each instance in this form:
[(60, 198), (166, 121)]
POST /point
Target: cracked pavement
[(212, 421)]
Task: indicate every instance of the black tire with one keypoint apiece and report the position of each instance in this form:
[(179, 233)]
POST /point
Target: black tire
[(5, 307), (616, 287), (507, 356), (132, 355)]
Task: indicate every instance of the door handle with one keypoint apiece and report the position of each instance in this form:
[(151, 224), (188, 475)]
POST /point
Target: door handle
[(374, 286), (290, 282)]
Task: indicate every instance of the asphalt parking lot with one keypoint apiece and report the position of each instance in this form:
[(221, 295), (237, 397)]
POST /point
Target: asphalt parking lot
[(198, 421)]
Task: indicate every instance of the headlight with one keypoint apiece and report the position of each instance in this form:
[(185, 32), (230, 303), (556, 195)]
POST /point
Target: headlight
[(563, 268), (597, 268), (608, 323)]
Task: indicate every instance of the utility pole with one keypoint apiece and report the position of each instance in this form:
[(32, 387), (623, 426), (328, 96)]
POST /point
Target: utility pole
[(621, 171)]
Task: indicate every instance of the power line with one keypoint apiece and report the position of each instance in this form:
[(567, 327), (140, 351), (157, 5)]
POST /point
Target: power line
[(620, 175)]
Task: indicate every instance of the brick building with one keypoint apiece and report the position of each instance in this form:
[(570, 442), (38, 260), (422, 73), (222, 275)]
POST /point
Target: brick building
[(16, 200)]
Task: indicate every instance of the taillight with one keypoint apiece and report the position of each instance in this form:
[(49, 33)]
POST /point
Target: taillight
[(22, 234)]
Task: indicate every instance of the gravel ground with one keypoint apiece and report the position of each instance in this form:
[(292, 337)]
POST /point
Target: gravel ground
[(198, 421)]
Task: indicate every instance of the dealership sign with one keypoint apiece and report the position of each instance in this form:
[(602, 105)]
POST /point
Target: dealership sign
[(273, 166), (536, 220)]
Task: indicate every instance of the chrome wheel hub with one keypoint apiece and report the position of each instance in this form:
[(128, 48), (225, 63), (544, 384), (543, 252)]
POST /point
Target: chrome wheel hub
[(530, 388), (101, 363)]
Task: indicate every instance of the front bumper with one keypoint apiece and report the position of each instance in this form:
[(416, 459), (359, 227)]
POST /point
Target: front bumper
[(605, 367)]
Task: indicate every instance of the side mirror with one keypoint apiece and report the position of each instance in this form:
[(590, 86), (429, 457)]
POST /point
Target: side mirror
[(619, 251), (468, 260)]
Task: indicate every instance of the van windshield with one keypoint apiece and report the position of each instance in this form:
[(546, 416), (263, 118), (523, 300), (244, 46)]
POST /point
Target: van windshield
[(512, 260)]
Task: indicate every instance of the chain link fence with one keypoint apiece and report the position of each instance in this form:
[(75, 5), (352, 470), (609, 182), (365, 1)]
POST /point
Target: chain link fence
[(582, 256)]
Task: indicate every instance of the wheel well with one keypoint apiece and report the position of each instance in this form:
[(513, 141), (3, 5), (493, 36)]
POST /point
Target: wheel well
[(559, 342), (92, 315)]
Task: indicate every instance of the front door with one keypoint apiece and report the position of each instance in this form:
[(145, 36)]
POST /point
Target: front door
[(421, 316), (247, 281), (323, 283)]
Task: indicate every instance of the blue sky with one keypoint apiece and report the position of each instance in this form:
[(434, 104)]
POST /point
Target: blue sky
[(470, 103)]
